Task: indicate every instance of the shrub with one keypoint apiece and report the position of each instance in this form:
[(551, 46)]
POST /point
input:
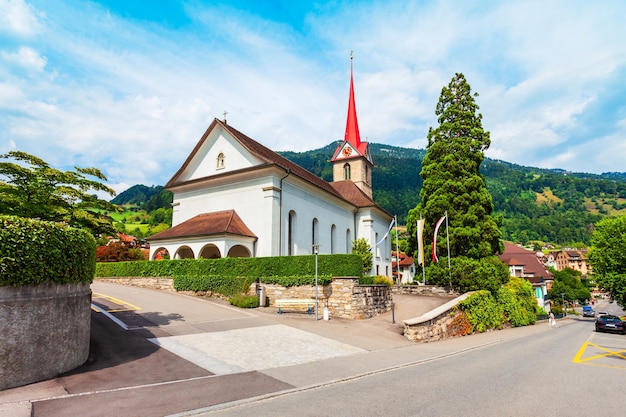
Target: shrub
[(460, 325), (483, 311), (34, 251), (468, 274), (244, 301), (518, 301)]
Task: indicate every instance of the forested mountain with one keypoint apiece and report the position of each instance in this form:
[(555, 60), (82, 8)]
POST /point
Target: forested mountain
[(547, 205)]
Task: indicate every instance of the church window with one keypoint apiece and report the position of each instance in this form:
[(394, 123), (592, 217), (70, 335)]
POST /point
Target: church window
[(367, 174), (333, 238), (346, 172), (220, 161), (348, 241), (291, 222), (315, 233)]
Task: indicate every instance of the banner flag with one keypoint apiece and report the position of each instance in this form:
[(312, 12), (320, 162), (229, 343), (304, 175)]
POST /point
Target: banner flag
[(435, 258), (393, 221), (420, 242)]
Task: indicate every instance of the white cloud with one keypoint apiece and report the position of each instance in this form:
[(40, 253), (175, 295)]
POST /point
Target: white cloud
[(89, 88), (27, 58), (18, 18)]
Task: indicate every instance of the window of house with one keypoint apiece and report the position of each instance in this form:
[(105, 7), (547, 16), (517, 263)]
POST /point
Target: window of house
[(220, 161)]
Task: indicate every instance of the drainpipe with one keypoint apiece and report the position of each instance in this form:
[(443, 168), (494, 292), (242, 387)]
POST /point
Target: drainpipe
[(280, 214)]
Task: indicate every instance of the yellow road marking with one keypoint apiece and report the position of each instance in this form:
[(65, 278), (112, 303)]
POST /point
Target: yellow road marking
[(579, 359), (130, 306)]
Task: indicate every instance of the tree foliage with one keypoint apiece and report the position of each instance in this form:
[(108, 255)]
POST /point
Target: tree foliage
[(608, 257), (452, 181), (568, 283), (31, 188), (362, 247)]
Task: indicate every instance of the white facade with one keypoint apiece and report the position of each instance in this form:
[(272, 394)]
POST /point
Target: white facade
[(286, 208)]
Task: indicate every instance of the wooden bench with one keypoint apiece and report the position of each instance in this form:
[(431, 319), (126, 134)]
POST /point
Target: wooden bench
[(296, 302)]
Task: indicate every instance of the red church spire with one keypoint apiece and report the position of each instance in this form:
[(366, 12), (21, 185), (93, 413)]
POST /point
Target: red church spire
[(352, 125)]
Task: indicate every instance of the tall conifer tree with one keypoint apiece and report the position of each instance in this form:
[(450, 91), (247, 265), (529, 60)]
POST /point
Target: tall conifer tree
[(452, 179)]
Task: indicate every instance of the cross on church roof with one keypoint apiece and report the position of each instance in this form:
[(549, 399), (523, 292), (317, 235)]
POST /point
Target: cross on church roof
[(224, 114)]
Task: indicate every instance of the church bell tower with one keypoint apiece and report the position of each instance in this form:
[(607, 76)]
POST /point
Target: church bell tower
[(352, 160)]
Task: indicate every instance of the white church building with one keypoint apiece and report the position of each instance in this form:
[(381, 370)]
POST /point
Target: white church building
[(235, 197)]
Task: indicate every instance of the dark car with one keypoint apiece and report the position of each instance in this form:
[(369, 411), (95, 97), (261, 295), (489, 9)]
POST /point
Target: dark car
[(588, 311), (610, 323)]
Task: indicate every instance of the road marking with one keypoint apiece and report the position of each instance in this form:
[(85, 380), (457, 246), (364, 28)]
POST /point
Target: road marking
[(110, 316), (128, 306), (578, 358)]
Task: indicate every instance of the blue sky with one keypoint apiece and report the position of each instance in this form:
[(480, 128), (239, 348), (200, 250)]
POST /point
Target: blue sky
[(130, 86)]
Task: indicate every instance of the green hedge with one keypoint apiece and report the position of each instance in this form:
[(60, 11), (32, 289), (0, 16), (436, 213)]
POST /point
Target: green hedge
[(33, 252), (230, 276)]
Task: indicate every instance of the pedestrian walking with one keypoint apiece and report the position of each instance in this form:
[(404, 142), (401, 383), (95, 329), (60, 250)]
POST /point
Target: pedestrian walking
[(552, 320)]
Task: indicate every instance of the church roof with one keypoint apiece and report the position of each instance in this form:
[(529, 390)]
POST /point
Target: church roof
[(351, 192), (216, 223), (348, 192), (352, 135)]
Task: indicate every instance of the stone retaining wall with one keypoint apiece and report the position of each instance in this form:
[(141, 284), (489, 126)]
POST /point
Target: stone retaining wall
[(343, 297), (425, 290), (435, 325), (158, 283), (44, 331)]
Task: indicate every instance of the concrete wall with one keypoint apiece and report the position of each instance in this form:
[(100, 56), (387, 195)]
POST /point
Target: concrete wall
[(44, 331)]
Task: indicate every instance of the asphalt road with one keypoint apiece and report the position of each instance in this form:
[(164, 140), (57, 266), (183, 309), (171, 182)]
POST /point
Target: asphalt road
[(567, 371), (156, 354)]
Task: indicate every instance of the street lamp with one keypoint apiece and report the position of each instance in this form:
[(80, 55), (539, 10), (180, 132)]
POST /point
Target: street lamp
[(316, 249)]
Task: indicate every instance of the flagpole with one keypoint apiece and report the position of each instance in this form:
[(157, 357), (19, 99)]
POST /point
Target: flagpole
[(448, 241), (397, 251), (423, 259)]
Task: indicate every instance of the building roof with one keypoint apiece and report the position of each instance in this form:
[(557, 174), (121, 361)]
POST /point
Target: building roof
[(216, 223), (405, 260), (534, 270), (343, 191)]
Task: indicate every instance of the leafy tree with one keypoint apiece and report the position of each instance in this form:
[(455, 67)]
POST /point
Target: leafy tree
[(30, 188), (362, 247), (607, 257), (452, 181), (568, 282)]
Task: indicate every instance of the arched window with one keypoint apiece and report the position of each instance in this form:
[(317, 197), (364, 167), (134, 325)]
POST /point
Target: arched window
[(291, 224), (333, 238), (315, 233), (346, 172), (220, 161), (348, 241)]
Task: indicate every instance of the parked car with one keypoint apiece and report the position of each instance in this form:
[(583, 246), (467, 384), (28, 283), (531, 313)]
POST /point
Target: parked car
[(608, 323), (588, 311)]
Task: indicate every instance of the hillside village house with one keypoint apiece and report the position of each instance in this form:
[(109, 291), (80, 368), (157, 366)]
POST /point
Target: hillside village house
[(235, 197), (524, 263), (574, 259)]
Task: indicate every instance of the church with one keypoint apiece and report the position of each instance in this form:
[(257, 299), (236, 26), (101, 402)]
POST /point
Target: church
[(234, 197)]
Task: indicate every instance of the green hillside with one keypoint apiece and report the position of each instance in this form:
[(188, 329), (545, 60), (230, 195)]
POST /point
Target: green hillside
[(535, 204)]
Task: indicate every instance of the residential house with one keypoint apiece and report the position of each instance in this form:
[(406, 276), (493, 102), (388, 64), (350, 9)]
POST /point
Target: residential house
[(524, 263), (574, 259), (403, 267)]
